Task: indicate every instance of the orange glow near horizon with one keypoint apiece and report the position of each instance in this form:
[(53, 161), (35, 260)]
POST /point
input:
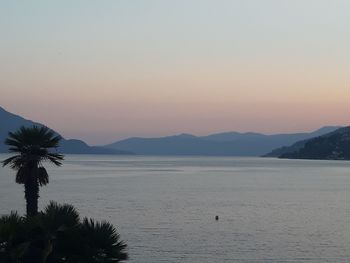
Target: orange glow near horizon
[(139, 70)]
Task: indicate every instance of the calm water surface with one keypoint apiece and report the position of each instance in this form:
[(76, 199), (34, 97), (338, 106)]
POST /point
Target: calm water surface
[(164, 207)]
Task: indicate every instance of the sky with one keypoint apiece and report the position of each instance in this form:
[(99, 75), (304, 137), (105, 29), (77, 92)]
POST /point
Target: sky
[(107, 70)]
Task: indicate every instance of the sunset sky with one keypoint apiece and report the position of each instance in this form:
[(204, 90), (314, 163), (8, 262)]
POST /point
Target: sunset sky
[(107, 70)]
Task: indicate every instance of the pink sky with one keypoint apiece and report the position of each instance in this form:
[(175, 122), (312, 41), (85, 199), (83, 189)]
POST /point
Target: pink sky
[(115, 70)]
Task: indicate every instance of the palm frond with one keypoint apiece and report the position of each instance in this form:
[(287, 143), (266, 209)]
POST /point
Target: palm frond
[(40, 136), (104, 241), (58, 235), (15, 162), (14, 144), (56, 216), (13, 218), (21, 175), (9, 225), (55, 158), (42, 175)]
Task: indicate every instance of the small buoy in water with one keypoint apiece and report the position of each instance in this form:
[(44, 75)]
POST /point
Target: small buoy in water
[(216, 218)]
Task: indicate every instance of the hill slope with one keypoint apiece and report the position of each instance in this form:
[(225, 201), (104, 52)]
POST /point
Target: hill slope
[(332, 146), (220, 144), (11, 122), (300, 144)]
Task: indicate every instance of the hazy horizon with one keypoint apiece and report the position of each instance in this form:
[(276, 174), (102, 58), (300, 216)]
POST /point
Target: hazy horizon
[(103, 141), (103, 71)]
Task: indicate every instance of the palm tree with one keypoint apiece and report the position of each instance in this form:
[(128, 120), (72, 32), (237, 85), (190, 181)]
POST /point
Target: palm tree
[(59, 235), (32, 147)]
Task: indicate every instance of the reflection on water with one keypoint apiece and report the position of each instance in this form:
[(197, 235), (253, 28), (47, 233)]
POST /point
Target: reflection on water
[(270, 210)]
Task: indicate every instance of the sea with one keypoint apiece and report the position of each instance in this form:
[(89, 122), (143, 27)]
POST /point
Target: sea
[(269, 210)]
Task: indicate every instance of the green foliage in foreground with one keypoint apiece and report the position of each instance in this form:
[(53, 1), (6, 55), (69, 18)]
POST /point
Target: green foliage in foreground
[(58, 234)]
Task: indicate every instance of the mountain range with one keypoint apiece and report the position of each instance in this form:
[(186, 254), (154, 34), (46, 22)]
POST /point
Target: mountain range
[(219, 144), (11, 122)]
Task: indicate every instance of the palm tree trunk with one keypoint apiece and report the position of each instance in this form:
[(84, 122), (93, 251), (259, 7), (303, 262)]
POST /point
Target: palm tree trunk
[(31, 194)]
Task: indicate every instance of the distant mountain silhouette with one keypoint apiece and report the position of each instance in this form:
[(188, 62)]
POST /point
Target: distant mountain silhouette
[(220, 144), (331, 146), (11, 122)]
